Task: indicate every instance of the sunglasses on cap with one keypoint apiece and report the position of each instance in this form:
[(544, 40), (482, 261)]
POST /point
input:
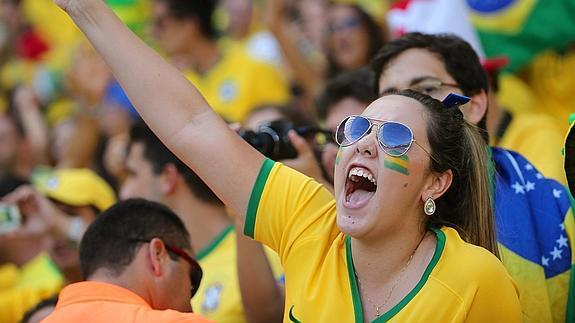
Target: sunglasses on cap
[(394, 137), (196, 272)]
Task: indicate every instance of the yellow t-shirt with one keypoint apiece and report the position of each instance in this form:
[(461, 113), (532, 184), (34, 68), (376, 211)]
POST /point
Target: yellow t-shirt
[(37, 280), (297, 217), (218, 297), (539, 139), (237, 84)]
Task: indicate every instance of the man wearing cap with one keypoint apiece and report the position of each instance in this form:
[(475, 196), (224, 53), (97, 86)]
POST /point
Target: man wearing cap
[(59, 208), (80, 194), (136, 260)]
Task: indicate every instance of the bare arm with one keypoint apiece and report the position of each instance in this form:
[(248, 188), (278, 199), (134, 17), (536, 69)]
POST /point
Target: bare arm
[(170, 105), (262, 295), (309, 76)]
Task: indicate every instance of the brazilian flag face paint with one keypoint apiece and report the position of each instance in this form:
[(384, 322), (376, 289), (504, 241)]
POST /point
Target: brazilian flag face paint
[(338, 156), (398, 164)]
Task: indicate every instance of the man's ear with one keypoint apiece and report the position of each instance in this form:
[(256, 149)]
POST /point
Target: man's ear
[(169, 179), (157, 253), (476, 108), (439, 184)]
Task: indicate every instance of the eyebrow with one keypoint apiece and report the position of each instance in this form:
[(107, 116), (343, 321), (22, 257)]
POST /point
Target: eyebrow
[(411, 83)]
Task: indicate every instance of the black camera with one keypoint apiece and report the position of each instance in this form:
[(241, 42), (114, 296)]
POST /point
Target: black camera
[(271, 138)]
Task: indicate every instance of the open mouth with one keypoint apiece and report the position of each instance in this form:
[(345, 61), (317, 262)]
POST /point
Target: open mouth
[(360, 186)]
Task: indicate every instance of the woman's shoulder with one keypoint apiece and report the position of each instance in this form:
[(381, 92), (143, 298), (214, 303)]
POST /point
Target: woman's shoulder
[(474, 275), (469, 260)]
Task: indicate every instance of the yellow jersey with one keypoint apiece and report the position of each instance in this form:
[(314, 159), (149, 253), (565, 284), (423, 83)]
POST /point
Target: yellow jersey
[(35, 281), (218, 297), (296, 216), (237, 84), (539, 139)]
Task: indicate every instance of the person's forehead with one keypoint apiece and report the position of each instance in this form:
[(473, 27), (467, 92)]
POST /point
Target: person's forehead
[(401, 109), (410, 65)]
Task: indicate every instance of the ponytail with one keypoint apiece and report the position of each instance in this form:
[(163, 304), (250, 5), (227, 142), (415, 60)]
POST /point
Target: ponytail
[(479, 225)]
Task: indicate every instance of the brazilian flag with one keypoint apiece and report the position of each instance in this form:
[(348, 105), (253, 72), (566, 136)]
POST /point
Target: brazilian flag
[(521, 29), (134, 13)]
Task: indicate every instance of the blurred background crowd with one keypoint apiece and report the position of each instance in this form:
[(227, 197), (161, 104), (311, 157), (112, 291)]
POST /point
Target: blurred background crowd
[(65, 123)]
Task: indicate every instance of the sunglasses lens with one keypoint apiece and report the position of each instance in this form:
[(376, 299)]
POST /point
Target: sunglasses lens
[(351, 130), (396, 138)]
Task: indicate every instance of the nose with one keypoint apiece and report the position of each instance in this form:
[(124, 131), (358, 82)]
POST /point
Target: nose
[(367, 146)]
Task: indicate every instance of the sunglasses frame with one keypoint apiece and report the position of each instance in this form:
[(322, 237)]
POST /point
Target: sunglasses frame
[(196, 272), (379, 141)]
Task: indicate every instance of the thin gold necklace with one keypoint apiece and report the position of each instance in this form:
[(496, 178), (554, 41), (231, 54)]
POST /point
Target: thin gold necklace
[(378, 308)]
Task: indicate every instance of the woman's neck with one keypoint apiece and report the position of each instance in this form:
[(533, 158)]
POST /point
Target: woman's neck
[(388, 271), (376, 260)]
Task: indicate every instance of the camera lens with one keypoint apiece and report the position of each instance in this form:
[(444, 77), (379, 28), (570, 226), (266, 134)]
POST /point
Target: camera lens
[(261, 141)]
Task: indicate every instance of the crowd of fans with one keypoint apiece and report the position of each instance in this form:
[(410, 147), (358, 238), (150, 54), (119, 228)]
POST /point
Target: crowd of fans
[(109, 208)]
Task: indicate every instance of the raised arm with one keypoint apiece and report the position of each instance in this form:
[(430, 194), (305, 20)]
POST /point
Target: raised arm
[(170, 105)]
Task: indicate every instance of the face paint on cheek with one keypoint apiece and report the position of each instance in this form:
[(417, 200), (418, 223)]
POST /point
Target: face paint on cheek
[(397, 164), (337, 157)]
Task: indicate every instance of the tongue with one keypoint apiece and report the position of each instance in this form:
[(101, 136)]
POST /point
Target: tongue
[(359, 198)]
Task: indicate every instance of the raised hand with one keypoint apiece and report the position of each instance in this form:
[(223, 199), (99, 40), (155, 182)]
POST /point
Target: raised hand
[(305, 162)]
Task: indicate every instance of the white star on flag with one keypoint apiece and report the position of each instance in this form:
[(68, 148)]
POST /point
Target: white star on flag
[(539, 176), (529, 186), (518, 188), (544, 261), (557, 193), (528, 167), (562, 241), (556, 253), (562, 226)]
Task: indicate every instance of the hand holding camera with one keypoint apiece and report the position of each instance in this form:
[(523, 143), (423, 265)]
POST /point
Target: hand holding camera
[(10, 217), (39, 216), (281, 141)]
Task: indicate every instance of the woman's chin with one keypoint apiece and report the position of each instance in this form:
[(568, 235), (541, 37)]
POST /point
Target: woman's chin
[(349, 225)]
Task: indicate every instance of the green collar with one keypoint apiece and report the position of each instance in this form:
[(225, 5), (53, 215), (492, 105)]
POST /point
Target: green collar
[(358, 307), (215, 242)]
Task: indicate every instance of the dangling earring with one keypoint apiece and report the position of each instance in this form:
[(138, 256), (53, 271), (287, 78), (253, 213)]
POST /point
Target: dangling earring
[(429, 206)]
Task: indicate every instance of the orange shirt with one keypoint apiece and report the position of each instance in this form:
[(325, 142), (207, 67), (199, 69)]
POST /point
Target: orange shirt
[(94, 302)]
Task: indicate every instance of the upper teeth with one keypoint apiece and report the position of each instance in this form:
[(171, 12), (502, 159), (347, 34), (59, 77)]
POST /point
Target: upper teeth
[(357, 171)]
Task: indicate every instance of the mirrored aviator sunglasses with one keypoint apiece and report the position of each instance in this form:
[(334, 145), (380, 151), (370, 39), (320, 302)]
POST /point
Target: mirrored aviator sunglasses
[(395, 138)]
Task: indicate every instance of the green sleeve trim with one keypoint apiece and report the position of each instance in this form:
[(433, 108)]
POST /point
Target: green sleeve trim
[(215, 243), (250, 223), (358, 307)]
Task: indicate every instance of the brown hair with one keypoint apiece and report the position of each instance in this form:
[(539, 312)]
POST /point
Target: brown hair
[(457, 145)]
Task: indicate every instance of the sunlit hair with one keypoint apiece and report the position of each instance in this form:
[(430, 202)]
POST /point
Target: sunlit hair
[(456, 144)]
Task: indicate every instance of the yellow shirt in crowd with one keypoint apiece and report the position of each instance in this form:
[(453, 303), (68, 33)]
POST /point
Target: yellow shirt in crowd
[(296, 216), (218, 297), (539, 139), (237, 84), (23, 288)]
